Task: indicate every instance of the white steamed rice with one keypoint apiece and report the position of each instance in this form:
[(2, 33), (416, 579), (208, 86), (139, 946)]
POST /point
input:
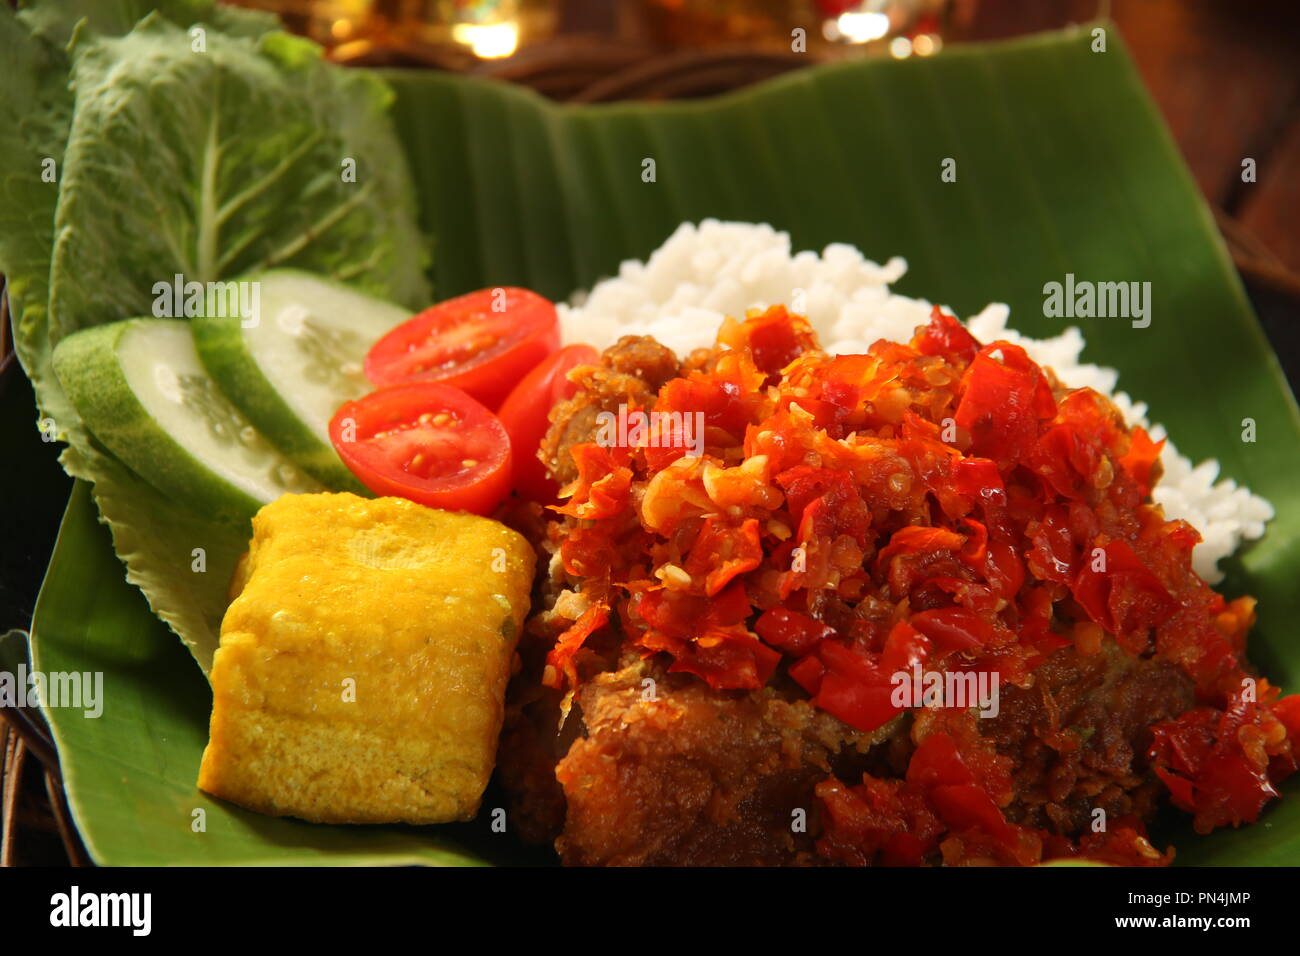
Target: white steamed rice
[(704, 273)]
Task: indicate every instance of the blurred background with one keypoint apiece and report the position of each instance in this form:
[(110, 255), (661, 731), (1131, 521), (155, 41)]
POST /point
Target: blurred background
[(1225, 73)]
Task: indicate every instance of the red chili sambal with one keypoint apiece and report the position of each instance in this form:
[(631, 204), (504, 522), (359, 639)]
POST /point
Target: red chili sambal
[(941, 506)]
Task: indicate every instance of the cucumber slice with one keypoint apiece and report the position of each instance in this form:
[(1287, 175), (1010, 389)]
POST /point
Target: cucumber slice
[(139, 386), (298, 360)]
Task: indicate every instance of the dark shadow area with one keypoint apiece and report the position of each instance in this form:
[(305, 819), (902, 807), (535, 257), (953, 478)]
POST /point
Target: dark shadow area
[(33, 493)]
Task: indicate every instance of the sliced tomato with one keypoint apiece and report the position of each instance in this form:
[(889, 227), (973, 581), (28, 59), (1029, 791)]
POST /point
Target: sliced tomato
[(525, 414), (483, 342), (431, 443)]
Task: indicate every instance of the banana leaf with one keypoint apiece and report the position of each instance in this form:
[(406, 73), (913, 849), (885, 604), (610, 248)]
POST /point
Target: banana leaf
[(1062, 166)]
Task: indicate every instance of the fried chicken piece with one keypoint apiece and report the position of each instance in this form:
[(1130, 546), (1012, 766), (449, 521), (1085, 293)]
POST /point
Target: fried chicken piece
[(698, 777), (530, 748), (643, 357), (1078, 737), (630, 374), (693, 777)]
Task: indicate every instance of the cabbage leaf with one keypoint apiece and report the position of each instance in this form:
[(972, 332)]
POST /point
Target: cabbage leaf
[(126, 156)]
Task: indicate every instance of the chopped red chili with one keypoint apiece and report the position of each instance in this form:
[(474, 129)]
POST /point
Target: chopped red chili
[(939, 504)]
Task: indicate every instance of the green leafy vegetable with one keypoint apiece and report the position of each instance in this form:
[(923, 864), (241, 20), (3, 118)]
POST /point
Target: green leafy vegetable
[(57, 20), (35, 112), (35, 117), (152, 534), (112, 129), (211, 156)]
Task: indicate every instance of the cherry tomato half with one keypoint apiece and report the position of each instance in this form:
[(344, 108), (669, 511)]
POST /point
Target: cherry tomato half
[(430, 443), (525, 413), (483, 342)]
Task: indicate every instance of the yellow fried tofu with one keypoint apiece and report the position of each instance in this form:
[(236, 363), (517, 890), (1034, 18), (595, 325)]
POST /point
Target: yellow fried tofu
[(363, 662)]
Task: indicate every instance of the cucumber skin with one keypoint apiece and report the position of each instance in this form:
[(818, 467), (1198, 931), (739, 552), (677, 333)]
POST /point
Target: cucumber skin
[(87, 367), (225, 355)]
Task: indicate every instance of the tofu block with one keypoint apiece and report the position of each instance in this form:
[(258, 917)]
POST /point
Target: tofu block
[(363, 662)]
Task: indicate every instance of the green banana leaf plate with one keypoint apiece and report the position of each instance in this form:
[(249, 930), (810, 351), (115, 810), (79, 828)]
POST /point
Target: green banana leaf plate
[(1062, 166)]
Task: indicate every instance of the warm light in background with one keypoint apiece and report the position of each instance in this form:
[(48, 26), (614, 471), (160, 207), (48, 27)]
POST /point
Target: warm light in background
[(926, 44), (488, 41), (457, 32), (857, 27)]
